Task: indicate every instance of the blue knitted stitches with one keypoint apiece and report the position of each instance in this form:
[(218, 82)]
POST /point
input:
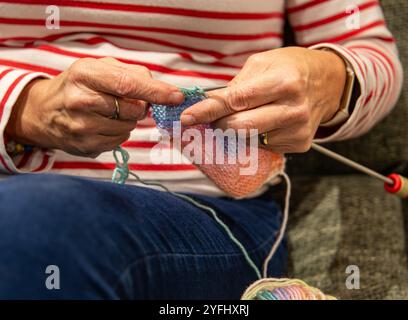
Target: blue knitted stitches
[(165, 115)]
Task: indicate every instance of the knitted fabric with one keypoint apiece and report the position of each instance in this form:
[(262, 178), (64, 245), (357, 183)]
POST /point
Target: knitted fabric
[(227, 175)]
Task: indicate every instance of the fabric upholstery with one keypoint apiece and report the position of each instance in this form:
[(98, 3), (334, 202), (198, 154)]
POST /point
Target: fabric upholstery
[(345, 220), (340, 217)]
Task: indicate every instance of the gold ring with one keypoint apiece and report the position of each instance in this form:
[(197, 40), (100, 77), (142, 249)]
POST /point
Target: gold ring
[(263, 138), (116, 113)]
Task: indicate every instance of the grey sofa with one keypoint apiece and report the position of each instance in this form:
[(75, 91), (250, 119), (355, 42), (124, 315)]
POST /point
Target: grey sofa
[(339, 217)]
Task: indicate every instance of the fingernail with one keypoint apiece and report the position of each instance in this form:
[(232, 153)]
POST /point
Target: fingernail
[(187, 120), (176, 97)]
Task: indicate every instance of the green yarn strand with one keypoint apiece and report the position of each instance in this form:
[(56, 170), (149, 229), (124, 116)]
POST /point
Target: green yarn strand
[(121, 174)]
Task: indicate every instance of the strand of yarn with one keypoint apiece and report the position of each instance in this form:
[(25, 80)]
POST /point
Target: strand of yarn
[(282, 228), (121, 174)]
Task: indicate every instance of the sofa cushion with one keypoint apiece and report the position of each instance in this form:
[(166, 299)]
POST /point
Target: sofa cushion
[(337, 221), (386, 146)]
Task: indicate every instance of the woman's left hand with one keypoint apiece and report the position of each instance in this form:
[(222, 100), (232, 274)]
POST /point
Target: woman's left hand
[(286, 92)]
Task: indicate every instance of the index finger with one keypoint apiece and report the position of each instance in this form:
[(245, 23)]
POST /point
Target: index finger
[(126, 83), (223, 102)]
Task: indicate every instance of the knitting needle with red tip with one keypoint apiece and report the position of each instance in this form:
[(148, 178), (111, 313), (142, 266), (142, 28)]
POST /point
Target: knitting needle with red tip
[(393, 183)]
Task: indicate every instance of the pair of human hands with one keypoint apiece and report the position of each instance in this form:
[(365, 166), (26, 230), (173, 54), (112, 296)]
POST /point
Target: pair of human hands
[(286, 92)]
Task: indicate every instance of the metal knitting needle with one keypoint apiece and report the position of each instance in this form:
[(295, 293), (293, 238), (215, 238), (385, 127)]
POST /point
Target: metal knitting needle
[(351, 163), (213, 88)]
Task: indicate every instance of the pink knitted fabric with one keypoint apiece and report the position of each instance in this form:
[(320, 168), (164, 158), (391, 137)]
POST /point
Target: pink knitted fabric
[(236, 178)]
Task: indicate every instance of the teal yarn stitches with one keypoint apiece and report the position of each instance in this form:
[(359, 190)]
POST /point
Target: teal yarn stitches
[(165, 116), (193, 92), (121, 172)]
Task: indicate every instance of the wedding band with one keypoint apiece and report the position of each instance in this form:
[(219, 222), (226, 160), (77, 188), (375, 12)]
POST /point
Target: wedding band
[(263, 138), (116, 113)]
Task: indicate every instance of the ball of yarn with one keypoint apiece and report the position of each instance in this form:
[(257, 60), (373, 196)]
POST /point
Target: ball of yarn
[(283, 289)]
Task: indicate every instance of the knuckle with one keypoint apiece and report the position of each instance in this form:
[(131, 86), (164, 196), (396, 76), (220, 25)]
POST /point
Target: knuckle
[(295, 83), (125, 137), (310, 131), (303, 135), (210, 115), (94, 155), (81, 128), (283, 149), (301, 115), (143, 69), (128, 127), (302, 83), (289, 86), (76, 70), (142, 111), (114, 143), (78, 128), (72, 99), (154, 93), (233, 82), (278, 147), (299, 80), (124, 85), (238, 99), (247, 125), (134, 110), (256, 58), (75, 99), (88, 149), (108, 59), (282, 122), (303, 146)]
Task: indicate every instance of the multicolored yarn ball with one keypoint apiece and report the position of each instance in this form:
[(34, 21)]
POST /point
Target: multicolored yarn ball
[(283, 289)]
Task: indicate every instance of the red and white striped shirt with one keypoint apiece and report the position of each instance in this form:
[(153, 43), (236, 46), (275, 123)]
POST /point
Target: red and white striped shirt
[(185, 43)]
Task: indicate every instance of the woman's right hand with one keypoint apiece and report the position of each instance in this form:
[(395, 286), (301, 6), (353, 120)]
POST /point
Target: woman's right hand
[(73, 111)]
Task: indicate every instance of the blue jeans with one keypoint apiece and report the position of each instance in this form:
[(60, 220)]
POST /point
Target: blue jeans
[(124, 242)]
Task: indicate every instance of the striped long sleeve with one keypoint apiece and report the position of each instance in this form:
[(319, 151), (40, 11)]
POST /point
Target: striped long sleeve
[(357, 31), (12, 81)]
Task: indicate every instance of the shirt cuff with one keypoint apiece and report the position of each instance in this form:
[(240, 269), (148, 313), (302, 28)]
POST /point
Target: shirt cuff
[(334, 131), (12, 83)]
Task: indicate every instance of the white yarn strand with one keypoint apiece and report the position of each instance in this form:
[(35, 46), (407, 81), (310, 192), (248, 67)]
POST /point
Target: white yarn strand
[(283, 225)]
